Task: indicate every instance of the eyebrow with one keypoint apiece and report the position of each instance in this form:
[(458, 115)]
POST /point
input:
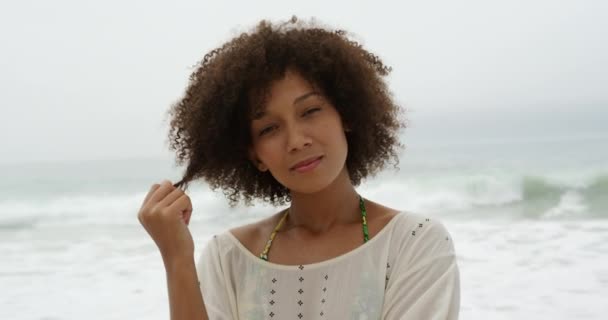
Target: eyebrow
[(262, 113)]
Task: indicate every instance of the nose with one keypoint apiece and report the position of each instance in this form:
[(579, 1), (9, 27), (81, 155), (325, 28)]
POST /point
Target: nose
[(297, 138)]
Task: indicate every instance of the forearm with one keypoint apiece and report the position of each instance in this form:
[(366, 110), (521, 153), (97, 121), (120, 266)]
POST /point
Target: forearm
[(185, 299)]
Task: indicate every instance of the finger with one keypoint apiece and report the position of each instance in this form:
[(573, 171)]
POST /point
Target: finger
[(170, 198), (181, 205), (152, 189), (160, 193)]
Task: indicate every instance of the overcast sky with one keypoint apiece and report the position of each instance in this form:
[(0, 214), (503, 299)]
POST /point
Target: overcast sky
[(94, 79)]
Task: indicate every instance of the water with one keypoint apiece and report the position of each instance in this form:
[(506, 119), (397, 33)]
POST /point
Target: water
[(529, 220)]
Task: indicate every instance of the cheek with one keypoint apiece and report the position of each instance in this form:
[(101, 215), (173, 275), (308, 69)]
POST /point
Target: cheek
[(334, 129), (339, 143), (267, 152)]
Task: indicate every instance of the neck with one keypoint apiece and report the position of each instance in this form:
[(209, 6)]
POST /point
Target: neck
[(337, 204)]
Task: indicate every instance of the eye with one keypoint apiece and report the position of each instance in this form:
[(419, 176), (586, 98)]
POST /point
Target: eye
[(311, 110), (266, 130)]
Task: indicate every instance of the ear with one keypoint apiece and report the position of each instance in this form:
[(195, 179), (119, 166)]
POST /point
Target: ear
[(256, 162)]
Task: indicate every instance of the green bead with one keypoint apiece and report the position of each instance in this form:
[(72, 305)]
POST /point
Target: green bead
[(363, 217)]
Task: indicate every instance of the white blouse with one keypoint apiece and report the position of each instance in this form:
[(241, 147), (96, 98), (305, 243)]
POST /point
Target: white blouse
[(406, 271)]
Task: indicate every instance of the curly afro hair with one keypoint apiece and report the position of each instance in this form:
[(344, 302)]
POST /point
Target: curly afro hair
[(210, 125)]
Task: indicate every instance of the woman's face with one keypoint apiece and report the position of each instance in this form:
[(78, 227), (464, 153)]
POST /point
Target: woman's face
[(298, 124)]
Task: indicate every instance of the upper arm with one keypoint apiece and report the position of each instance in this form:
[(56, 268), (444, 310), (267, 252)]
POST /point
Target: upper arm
[(213, 282), (425, 279)]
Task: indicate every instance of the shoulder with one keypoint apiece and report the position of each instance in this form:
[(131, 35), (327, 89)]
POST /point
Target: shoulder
[(421, 224), (418, 236), (253, 235), (379, 216)]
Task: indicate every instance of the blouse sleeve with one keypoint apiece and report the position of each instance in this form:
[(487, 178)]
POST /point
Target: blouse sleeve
[(213, 284), (425, 281)]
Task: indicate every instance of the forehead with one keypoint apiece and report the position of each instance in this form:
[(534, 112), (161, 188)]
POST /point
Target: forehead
[(288, 90)]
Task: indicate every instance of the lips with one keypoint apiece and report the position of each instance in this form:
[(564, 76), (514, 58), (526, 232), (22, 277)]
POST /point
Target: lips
[(306, 162)]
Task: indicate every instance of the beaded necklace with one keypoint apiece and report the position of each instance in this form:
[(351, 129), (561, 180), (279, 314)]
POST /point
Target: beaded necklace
[(264, 254)]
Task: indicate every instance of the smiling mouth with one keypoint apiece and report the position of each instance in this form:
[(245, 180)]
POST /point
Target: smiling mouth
[(308, 165)]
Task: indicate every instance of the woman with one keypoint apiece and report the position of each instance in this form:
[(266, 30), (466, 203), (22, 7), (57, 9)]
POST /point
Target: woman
[(298, 115)]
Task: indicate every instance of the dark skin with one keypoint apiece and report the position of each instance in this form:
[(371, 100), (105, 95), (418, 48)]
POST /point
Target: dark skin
[(324, 220), (295, 246)]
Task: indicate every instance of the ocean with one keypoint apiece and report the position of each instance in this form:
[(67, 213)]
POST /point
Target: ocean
[(529, 219)]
